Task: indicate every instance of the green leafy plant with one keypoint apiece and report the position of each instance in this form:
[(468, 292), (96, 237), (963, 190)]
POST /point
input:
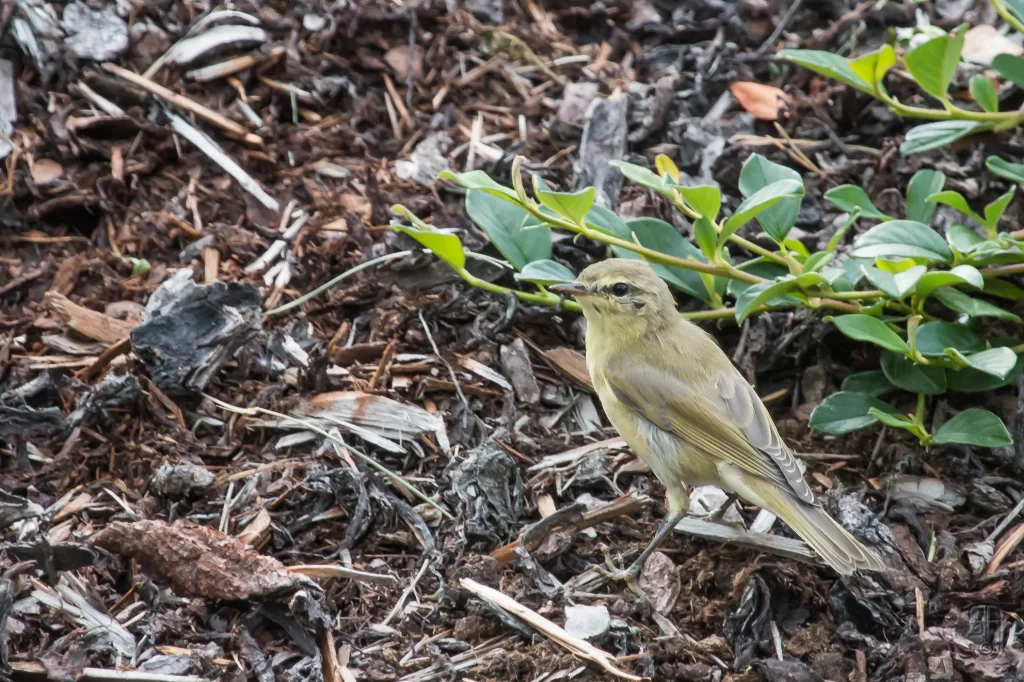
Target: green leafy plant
[(932, 66), (901, 286)]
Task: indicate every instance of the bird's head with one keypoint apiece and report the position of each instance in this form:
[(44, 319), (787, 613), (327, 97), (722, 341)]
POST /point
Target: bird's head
[(622, 296)]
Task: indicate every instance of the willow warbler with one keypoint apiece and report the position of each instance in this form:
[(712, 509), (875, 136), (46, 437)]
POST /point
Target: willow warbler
[(684, 409)]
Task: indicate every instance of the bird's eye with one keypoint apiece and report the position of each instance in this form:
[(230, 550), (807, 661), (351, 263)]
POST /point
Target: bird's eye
[(620, 289)]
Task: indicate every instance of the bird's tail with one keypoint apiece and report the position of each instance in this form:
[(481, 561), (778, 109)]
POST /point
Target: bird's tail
[(831, 541)]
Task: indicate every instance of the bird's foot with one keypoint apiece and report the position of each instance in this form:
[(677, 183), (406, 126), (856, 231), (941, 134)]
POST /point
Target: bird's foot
[(717, 515), (628, 575)]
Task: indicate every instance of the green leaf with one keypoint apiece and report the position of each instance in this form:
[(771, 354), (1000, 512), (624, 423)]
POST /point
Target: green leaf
[(895, 285), (995, 210), (871, 329), (969, 380), (797, 249), (1003, 289), (545, 272), (662, 237), (957, 201), (571, 205), (925, 183), (757, 174), (933, 338), (954, 299), (933, 63), (480, 180), (607, 221), (763, 292), (930, 136), (705, 235), (1009, 67), (666, 168), (908, 375), (984, 93), (974, 426), (645, 177), (895, 266), (864, 68), (704, 199), (849, 198), (140, 266), (873, 66), (997, 362), (961, 274), (816, 261), (1016, 8), (845, 275), (503, 223), (1005, 169), (905, 238), (759, 202), (963, 239), (845, 411), (886, 60), (897, 421), (871, 383), (827, 64), (445, 246), (766, 269)]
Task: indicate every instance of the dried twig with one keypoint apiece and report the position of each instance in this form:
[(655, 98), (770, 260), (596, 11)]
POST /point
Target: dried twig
[(324, 571), (578, 646), (437, 352), (408, 590), (187, 104), (213, 150)]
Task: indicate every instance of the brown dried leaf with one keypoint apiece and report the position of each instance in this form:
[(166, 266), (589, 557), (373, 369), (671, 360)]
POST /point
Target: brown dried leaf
[(763, 101), (46, 171), (195, 560), (571, 364), (660, 580), (398, 59)]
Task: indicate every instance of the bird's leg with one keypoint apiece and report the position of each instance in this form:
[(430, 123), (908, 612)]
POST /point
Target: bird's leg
[(630, 574)]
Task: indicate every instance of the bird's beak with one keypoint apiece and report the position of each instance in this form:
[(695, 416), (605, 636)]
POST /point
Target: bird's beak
[(569, 289)]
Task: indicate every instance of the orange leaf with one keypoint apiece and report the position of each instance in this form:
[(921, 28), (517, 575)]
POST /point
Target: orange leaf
[(763, 101)]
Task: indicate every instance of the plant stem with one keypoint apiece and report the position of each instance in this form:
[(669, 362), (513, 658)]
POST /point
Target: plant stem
[(856, 295), (553, 300), (750, 246), (1002, 270), (1004, 13), (759, 250), (952, 113), (649, 254), (547, 298)]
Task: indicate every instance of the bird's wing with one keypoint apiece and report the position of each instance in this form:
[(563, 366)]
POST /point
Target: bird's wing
[(725, 419)]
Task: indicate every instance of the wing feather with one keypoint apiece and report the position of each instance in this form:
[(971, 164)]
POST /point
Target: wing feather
[(727, 420)]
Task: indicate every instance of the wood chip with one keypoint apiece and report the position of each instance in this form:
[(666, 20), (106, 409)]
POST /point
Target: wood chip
[(88, 323)]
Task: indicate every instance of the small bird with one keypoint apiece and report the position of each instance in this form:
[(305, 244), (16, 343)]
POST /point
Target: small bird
[(686, 411)]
